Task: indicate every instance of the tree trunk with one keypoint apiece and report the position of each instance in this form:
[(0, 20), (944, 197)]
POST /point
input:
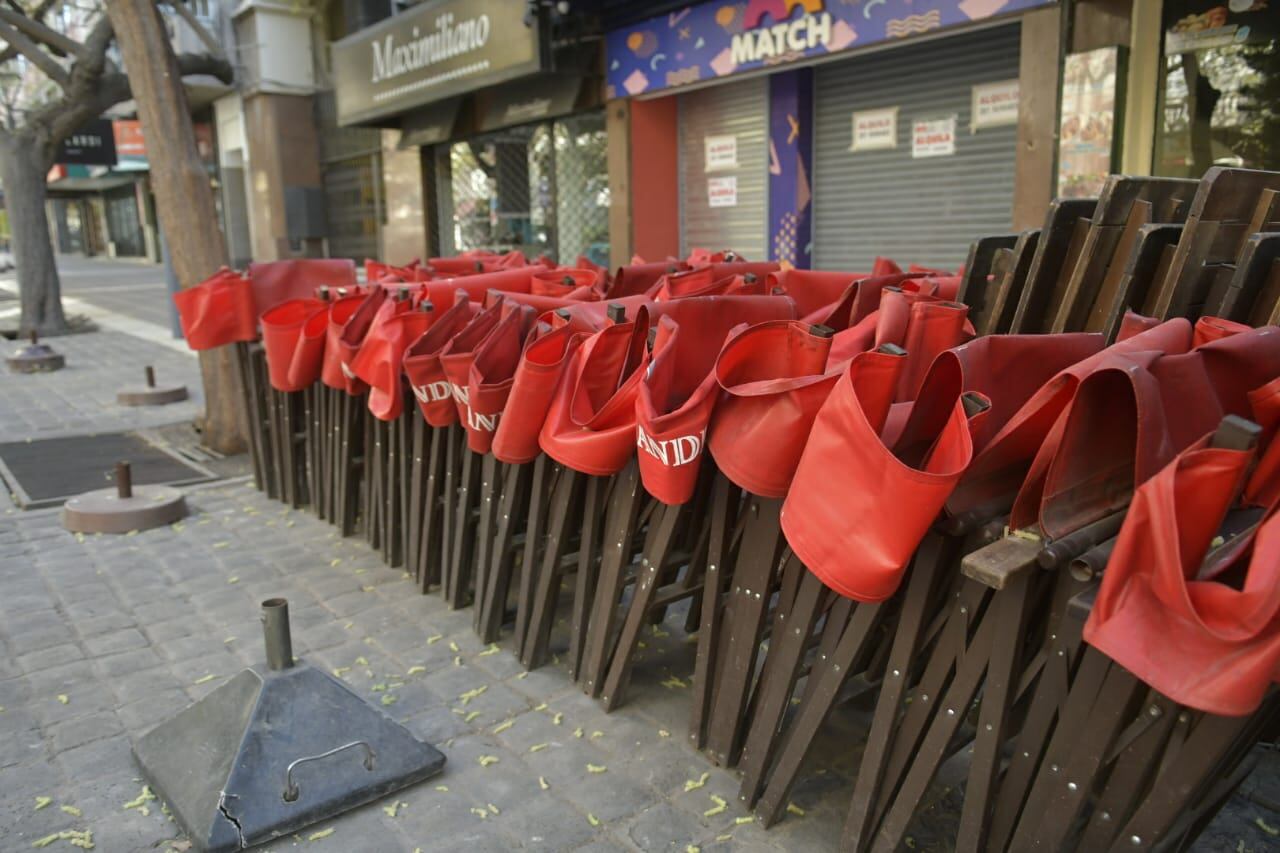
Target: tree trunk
[(23, 169), (184, 197)]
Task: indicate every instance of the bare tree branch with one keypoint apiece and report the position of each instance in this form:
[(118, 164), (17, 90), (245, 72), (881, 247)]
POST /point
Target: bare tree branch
[(206, 37), (53, 39), (38, 57)]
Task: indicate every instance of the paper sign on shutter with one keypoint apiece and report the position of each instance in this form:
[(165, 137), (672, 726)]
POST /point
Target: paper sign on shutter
[(994, 104), (874, 130), (721, 152), (933, 137), (722, 191)]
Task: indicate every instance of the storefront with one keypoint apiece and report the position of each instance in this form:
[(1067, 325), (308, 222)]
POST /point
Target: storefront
[(1219, 87), (823, 134), (510, 133)]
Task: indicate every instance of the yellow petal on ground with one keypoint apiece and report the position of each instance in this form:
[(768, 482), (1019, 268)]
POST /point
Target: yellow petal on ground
[(470, 716), (693, 784), (663, 733), (392, 809), (62, 697), (522, 676), (379, 688), (673, 683), (795, 810), (538, 747), (230, 639), (324, 833), (453, 647), (339, 670), (442, 788), (692, 848), (596, 768), (486, 760), (480, 813), (389, 699), (233, 579), (503, 726), (492, 650), (71, 810), (367, 588), (739, 821), (140, 801), (362, 660), (45, 842), (205, 679), (597, 733), (215, 544), (434, 638), (720, 806), (457, 660), (466, 697), (577, 732), (593, 820), (494, 808), (557, 719), (414, 670), (335, 561), (541, 707), (1266, 827), (41, 802), (542, 783), (726, 837), (349, 626)]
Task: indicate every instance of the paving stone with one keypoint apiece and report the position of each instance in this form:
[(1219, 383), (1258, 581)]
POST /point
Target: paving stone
[(663, 827), (70, 734)]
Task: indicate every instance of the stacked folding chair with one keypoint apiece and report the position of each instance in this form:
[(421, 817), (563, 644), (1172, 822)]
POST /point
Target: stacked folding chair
[(1026, 510)]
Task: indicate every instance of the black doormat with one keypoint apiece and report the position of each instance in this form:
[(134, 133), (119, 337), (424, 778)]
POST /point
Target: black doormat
[(47, 472)]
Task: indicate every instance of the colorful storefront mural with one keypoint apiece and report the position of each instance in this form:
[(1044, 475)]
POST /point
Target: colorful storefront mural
[(718, 39), (790, 147)]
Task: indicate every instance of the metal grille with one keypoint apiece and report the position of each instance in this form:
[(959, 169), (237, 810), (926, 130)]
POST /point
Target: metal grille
[(740, 110), (48, 472), (354, 204), (927, 210), (541, 189)]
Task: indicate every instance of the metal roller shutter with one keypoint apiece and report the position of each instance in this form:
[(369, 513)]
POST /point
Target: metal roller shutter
[(884, 202), (740, 110)]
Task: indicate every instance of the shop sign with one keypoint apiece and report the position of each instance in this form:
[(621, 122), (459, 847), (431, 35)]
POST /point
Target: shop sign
[(721, 152), (131, 146), (91, 145), (1086, 137), (719, 39), (722, 191), (994, 105), (433, 50), (875, 130), (933, 137), (1192, 25)]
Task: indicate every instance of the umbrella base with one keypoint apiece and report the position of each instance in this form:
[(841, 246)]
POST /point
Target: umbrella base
[(141, 395), (36, 358), (104, 511)]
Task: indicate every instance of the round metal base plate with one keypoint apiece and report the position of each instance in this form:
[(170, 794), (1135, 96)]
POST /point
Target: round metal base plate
[(104, 511), (36, 358), (141, 395)]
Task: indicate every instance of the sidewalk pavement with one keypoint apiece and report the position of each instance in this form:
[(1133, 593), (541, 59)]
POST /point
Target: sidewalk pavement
[(101, 637)]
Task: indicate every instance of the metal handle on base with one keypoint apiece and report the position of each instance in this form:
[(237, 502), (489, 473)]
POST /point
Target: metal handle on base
[(291, 790)]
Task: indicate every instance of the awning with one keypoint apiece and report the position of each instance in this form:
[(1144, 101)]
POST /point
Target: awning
[(429, 125)]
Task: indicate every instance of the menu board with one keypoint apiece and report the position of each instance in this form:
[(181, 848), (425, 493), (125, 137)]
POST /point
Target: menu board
[(1087, 135)]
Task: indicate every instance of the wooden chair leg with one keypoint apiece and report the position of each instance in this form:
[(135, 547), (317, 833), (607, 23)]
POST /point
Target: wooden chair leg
[(565, 496), (744, 620), (792, 628), (724, 504), (462, 557), (487, 502), (449, 517), (417, 483), (540, 488), (643, 602), (511, 507), (584, 587), (933, 560), (430, 552), (619, 529)]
